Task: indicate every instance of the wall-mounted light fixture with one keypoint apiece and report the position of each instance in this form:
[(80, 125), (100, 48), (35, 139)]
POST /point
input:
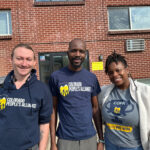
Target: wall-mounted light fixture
[(100, 57)]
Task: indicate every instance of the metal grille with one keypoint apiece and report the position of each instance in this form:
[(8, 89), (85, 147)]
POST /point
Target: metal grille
[(135, 45)]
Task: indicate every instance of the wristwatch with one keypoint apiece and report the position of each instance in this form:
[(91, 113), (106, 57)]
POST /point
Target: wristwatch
[(101, 141)]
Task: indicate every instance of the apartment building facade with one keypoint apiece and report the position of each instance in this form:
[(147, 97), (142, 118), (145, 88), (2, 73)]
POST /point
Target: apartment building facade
[(49, 25)]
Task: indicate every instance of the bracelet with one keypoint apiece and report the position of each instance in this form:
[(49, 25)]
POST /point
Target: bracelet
[(101, 141)]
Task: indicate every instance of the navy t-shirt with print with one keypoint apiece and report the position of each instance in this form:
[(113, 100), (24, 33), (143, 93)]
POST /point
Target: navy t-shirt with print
[(74, 91)]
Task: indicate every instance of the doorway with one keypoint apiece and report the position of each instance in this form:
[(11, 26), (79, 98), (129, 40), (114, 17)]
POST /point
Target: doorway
[(52, 61)]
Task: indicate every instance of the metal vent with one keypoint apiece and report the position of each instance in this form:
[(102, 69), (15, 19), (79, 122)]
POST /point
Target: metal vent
[(135, 45)]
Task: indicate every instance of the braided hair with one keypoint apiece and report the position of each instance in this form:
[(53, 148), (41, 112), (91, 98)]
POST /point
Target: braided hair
[(115, 57)]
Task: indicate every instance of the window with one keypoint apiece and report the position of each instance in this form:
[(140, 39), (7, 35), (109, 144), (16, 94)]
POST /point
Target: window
[(5, 22), (56, 0), (129, 18), (50, 62)]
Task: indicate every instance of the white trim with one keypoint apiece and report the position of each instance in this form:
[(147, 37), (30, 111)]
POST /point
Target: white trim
[(8, 22)]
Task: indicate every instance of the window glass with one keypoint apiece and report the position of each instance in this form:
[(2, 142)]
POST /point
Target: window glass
[(118, 18), (129, 18), (140, 17), (5, 23)]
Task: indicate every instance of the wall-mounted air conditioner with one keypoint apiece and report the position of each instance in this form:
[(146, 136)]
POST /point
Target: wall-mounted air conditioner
[(135, 45)]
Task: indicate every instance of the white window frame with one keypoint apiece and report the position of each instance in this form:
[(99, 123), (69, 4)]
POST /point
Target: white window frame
[(8, 20)]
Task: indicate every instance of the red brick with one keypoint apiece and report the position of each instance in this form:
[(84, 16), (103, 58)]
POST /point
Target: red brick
[(50, 28)]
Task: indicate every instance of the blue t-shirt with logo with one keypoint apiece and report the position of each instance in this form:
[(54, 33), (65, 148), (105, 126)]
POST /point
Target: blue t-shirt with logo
[(74, 91)]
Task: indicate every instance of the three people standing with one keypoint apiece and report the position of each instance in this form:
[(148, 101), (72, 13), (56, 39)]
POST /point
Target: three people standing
[(26, 105)]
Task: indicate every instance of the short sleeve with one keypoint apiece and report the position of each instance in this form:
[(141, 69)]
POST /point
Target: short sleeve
[(53, 85), (46, 106), (96, 87)]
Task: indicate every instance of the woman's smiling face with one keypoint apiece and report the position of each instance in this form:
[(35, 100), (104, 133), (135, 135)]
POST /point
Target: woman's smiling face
[(118, 74)]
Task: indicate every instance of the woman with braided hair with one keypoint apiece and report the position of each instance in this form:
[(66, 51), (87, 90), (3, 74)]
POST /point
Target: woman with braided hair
[(125, 106)]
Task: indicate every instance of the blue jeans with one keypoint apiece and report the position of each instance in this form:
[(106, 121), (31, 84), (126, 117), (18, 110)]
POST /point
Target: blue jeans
[(110, 146)]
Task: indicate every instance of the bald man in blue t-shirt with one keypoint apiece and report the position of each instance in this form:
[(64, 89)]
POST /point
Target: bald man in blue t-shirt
[(75, 91)]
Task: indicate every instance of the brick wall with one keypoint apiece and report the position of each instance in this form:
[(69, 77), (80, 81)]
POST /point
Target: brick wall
[(49, 28)]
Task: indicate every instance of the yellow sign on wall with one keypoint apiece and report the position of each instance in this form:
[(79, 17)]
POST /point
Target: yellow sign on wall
[(97, 65)]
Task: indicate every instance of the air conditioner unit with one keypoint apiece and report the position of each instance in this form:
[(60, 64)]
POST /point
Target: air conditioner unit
[(135, 45)]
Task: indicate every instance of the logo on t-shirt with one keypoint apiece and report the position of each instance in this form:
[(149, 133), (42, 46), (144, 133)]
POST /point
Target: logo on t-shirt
[(119, 107), (65, 89), (119, 127)]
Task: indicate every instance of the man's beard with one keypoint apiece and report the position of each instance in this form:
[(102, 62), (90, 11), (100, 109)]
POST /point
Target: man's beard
[(76, 65)]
